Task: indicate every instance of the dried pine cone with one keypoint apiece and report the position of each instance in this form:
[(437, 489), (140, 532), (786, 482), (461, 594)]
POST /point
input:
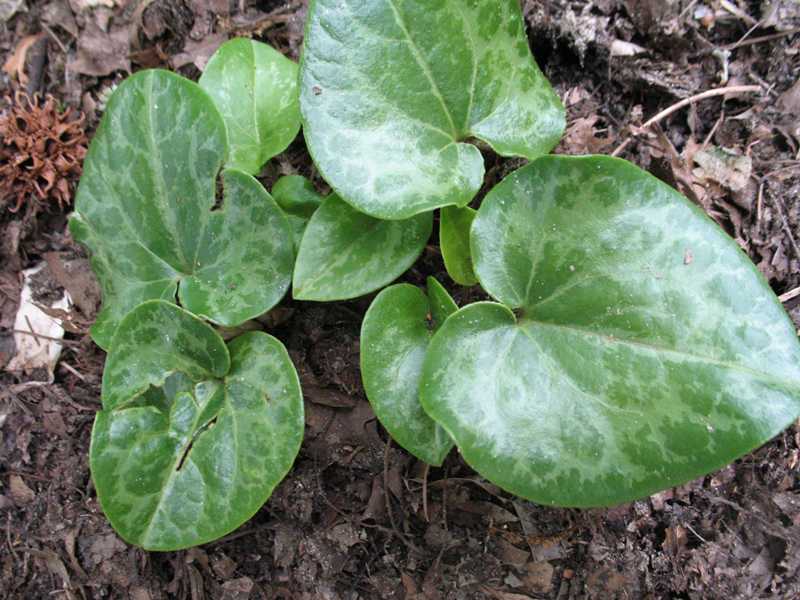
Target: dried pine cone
[(41, 150)]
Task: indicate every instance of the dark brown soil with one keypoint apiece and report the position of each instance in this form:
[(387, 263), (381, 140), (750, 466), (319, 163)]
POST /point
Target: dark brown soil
[(358, 518)]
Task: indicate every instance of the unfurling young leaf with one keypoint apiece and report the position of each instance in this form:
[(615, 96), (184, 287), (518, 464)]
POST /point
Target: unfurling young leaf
[(193, 435), (297, 197), (390, 91), (144, 208), (255, 88), (345, 254), (454, 226), (395, 335), (626, 369)]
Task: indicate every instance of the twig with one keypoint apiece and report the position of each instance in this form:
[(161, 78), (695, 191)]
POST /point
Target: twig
[(788, 230), (56, 39), (796, 165), (8, 538), (388, 500), (700, 537), (761, 39), (711, 133), (738, 12), (724, 91), (790, 295), (72, 370), (760, 205), (33, 333), (686, 10), (46, 337), (425, 492)]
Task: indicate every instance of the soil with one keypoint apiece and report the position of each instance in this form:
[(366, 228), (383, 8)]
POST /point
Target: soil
[(358, 518)]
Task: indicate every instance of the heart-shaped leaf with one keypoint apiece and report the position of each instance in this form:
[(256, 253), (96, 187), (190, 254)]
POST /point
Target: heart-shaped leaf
[(454, 226), (193, 436), (144, 209), (394, 338), (297, 197), (647, 350), (255, 88), (390, 90), (345, 254)]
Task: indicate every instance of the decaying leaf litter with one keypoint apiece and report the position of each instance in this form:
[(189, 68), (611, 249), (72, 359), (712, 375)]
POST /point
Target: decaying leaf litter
[(358, 518)]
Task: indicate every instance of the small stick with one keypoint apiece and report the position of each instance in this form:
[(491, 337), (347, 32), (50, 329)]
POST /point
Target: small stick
[(46, 337), (790, 295), (761, 39), (388, 500), (711, 133), (52, 34), (33, 333), (686, 10), (788, 230), (724, 91), (425, 490), (738, 12), (796, 165), (760, 204), (72, 370)]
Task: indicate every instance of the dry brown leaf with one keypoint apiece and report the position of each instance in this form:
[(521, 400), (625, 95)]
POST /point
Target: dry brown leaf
[(101, 53), (328, 397), (198, 52), (581, 137), (20, 493), (501, 595), (15, 64), (538, 577), (724, 166), (8, 8)]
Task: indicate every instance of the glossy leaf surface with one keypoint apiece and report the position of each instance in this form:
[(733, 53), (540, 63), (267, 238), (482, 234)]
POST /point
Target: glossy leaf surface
[(394, 338), (391, 89), (144, 209), (193, 436), (345, 254), (454, 226), (647, 349), (255, 88)]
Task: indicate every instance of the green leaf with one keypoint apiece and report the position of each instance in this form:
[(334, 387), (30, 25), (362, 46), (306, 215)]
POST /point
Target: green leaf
[(194, 456), (394, 338), (297, 197), (255, 88), (144, 210), (155, 340), (345, 254), (648, 350), (390, 91), (454, 224)]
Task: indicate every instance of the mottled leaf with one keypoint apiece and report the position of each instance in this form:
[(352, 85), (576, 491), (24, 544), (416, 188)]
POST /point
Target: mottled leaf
[(394, 338), (190, 443), (255, 88), (345, 254), (646, 349), (390, 91), (155, 340), (454, 225), (144, 208)]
